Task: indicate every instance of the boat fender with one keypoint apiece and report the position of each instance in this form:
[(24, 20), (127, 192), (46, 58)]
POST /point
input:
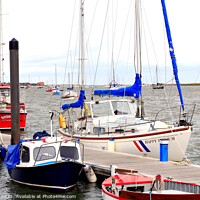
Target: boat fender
[(62, 122), (89, 173)]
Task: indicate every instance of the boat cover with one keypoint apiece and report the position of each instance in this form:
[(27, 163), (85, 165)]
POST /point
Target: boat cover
[(12, 155), (134, 90), (76, 104)]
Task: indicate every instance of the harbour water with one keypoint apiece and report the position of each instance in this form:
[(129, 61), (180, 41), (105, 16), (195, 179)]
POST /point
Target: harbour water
[(38, 105)]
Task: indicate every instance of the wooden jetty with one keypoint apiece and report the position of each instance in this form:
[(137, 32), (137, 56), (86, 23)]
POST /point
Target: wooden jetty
[(100, 160)]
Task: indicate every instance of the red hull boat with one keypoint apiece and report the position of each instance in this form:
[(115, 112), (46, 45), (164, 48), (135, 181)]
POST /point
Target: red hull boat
[(123, 186), (5, 109)]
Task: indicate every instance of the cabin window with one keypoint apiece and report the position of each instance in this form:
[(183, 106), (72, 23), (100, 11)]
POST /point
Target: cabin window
[(97, 130), (121, 108), (101, 109), (44, 153), (5, 92), (69, 152), (25, 156)]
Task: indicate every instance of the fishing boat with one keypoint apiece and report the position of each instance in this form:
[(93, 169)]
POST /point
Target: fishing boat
[(129, 184), (121, 120), (47, 162)]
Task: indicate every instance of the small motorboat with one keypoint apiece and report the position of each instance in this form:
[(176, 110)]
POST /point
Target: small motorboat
[(46, 162), (49, 162), (129, 184)]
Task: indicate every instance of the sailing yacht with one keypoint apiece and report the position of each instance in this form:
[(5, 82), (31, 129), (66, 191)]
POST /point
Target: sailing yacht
[(121, 120)]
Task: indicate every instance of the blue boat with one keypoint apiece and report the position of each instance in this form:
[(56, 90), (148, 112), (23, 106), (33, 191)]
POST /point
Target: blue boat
[(50, 162)]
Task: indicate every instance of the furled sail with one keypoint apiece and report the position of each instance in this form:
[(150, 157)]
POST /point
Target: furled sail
[(171, 50), (134, 90), (76, 104)]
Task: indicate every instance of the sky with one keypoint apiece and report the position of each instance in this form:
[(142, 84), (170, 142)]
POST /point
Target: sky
[(48, 30)]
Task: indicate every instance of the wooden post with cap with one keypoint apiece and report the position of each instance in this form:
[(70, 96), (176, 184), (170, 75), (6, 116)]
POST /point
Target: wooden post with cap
[(14, 83)]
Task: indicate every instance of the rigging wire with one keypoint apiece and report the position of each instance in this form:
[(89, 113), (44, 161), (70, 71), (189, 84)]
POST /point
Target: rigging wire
[(68, 51), (100, 47)]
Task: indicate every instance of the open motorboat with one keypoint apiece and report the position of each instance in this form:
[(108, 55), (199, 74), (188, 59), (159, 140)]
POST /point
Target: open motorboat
[(128, 184)]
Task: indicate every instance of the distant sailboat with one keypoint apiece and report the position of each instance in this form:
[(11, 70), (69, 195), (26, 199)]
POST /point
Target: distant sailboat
[(157, 85), (55, 90)]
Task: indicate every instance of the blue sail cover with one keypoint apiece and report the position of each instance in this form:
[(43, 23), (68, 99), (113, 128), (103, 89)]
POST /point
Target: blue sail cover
[(134, 90), (12, 155), (76, 104), (171, 50)]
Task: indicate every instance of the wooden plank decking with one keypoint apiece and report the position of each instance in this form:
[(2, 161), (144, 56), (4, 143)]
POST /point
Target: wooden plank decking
[(102, 159)]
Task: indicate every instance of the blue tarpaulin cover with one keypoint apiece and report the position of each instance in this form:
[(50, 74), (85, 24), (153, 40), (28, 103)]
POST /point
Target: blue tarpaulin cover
[(76, 104), (12, 155), (134, 90)]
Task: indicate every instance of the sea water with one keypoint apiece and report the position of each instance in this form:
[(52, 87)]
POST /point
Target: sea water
[(38, 105)]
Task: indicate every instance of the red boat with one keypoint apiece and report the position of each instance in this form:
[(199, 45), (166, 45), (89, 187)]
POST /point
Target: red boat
[(131, 185), (5, 109)]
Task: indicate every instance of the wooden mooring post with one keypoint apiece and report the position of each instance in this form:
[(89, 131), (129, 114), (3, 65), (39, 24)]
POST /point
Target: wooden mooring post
[(14, 82)]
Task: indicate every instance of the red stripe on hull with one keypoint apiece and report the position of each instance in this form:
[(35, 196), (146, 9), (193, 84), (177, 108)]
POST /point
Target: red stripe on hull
[(126, 137), (136, 144)]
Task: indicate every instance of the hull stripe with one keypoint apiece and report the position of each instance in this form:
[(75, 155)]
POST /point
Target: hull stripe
[(137, 146), (144, 146)]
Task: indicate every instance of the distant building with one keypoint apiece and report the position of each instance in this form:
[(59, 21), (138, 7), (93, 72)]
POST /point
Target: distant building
[(40, 83)]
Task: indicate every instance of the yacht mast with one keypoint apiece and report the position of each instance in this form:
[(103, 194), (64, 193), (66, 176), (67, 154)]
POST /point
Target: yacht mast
[(1, 57), (138, 41), (140, 103), (82, 42)]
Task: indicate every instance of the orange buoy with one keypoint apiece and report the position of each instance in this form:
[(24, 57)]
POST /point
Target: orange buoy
[(35, 92)]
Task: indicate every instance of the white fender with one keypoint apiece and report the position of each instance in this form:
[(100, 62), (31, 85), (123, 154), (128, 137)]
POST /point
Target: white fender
[(89, 173)]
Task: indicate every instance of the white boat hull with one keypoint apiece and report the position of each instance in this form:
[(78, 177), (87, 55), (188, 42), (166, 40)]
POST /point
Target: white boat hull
[(147, 144)]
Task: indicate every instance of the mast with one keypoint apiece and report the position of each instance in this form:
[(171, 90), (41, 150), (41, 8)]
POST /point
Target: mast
[(82, 42), (171, 50), (138, 41), (140, 109), (1, 57)]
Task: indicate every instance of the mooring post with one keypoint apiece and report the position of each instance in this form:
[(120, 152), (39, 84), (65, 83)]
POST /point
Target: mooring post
[(14, 83)]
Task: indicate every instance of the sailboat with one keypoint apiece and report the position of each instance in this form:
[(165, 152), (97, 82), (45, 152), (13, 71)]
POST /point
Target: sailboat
[(157, 85), (121, 122), (70, 93), (55, 90), (5, 98)]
